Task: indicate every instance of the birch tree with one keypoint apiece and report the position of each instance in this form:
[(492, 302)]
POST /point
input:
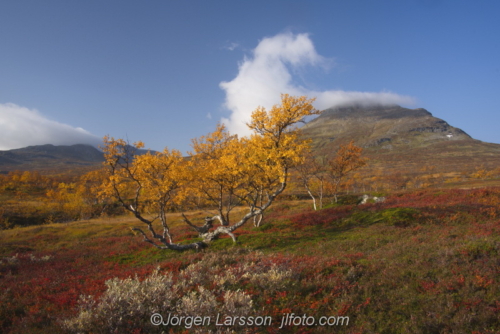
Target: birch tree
[(312, 176), (346, 160), (250, 172), (223, 172), (148, 186)]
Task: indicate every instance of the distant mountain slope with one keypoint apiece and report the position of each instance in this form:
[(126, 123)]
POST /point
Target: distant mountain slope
[(52, 158), (394, 137), (385, 127)]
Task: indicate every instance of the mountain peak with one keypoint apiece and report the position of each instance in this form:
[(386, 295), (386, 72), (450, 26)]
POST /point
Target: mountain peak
[(380, 126), (377, 111)]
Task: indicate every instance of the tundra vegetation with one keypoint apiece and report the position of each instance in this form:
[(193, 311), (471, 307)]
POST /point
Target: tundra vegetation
[(423, 261), (31, 198), (426, 260)]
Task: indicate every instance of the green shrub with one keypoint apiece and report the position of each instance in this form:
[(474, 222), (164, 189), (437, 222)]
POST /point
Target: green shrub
[(399, 216), (394, 216), (349, 200)]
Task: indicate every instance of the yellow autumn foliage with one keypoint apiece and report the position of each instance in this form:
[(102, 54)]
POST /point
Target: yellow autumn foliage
[(223, 171)]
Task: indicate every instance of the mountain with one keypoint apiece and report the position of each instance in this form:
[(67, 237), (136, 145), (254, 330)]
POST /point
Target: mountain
[(52, 158), (48, 156), (397, 138), (386, 127)]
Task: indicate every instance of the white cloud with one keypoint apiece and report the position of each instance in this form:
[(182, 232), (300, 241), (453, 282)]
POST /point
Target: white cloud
[(209, 115), (231, 46), (21, 127), (335, 98), (263, 77)]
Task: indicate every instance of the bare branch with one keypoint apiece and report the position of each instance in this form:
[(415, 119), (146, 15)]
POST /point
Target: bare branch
[(177, 247), (200, 229)]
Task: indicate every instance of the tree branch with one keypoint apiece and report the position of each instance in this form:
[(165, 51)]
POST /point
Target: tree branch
[(200, 229), (177, 247)]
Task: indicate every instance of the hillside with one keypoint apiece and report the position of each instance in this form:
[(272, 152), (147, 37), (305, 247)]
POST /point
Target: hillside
[(43, 157), (52, 158), (386, 127), (394, 137)]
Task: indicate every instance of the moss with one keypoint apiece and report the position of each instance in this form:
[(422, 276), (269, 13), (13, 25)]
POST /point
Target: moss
[(400, 216), (264, 227), (349, 200), (480, 249)]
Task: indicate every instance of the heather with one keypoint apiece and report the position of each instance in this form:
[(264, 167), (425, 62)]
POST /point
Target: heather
[(425, 261)]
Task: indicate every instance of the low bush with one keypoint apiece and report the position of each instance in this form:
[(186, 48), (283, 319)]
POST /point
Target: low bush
[(207, 288)]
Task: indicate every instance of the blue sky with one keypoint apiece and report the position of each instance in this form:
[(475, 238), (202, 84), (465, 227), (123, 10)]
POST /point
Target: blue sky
[(167, 71)]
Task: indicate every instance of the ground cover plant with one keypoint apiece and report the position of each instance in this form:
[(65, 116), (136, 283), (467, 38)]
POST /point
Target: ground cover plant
[(420, 262)]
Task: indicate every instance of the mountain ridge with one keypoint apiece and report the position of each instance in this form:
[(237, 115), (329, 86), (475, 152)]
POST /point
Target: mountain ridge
[(52, 157), (400, 139), (393, 138), (385, 126)]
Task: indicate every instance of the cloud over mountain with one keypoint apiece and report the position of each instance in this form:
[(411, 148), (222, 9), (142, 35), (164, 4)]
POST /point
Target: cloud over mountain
[(270, 71), (21, 127)]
